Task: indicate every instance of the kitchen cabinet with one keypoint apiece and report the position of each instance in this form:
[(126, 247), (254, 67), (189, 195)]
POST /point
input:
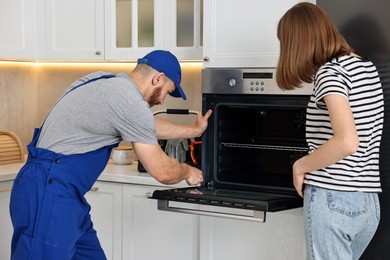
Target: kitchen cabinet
[(148, 233), (99, 29), (105, 199), (74, 30), (135, 27), (184, 28), (152, 234), (52, 29), (280, 237), (5, 220), (130, 227), (242, 33), (18, 29)]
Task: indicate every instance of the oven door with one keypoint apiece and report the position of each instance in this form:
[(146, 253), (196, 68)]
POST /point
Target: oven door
[(251, 205), (248, 151)]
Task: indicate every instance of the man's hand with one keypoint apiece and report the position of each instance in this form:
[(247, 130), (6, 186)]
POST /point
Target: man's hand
[(201, 122), (195, 176), (166, 129)]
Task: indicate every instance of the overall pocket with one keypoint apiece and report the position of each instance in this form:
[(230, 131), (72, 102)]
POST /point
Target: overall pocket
[(65, 224), (20, 202)]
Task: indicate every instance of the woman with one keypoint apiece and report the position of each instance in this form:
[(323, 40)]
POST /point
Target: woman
[(339, 178)]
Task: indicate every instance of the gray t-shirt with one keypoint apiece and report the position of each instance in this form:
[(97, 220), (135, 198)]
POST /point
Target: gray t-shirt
[(98, 114)]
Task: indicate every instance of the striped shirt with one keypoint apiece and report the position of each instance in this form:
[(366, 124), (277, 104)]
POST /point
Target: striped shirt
[(357, 80)]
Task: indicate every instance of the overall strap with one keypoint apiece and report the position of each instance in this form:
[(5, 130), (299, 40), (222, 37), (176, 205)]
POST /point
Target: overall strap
[(89, 81)]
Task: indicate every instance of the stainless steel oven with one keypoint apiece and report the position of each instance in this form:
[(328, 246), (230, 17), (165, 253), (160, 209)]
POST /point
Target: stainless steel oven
[(255, 134)]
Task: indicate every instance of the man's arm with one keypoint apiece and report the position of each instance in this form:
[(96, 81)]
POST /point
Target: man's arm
[(166, 129), (163, 168)]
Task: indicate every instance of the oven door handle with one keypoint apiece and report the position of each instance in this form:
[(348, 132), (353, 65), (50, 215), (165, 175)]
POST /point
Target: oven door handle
[(258, 216)]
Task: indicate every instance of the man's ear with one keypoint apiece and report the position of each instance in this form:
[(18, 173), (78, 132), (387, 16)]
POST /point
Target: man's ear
[(157, 78)]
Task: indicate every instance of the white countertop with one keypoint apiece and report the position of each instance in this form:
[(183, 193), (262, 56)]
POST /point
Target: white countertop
[(9, 171), (113, 173)]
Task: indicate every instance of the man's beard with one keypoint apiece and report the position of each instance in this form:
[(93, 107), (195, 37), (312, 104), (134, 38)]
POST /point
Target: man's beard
[(154, 98)]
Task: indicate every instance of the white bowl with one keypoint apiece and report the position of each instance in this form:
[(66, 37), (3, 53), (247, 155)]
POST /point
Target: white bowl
[(122, 155)]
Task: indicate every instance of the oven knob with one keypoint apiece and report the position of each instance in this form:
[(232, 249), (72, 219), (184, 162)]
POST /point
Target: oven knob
[(232, 83)]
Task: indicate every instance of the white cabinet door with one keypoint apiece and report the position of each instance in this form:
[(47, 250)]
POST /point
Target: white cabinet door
[(18, 29), (133, 28), (74, 29), (136, 27), (105, 199), (280, 237), (5, 220), (152, 234), (183, 28), (242, 33)]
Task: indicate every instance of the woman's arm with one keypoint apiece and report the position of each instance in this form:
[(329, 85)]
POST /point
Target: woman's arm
[(344, 141)]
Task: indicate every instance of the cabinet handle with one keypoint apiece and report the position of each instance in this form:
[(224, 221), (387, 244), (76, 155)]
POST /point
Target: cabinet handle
[(206, 59), (258, 216), (94, 188), (5, 190), (98, 53)]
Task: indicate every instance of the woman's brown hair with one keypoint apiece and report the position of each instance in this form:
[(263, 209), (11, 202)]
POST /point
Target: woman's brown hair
[(308, 39)]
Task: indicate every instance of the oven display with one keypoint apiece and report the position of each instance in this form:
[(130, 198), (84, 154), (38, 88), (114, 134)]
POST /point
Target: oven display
[(257, 75)]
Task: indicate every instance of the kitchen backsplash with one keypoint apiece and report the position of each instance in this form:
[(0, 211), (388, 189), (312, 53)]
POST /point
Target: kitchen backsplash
[(28, 90)]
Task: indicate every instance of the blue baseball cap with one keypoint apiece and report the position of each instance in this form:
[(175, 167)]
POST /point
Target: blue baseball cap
[(167, 63)]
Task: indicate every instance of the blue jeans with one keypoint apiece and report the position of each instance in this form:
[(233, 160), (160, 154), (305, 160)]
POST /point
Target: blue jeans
[(338, 224)]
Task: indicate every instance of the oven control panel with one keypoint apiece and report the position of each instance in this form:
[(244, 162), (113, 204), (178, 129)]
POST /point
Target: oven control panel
[(246, 81)]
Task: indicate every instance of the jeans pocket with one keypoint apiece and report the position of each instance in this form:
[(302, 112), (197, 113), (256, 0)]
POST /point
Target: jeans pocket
[(348, 203), (65, 225), (377, 205)]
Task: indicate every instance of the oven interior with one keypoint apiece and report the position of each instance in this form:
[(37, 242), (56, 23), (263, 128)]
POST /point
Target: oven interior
[(253, 141)]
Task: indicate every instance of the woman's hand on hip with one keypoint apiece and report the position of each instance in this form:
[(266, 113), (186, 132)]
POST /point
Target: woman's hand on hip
[(298, 177)]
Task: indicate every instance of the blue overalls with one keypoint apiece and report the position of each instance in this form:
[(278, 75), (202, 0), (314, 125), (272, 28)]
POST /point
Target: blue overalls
[(48, 210)]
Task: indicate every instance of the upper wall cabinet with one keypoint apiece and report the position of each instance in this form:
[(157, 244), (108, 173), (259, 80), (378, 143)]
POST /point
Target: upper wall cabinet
[(242, 33), (184, 28), (135, 27), (99, 29), (18, 29), (74, 30)]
